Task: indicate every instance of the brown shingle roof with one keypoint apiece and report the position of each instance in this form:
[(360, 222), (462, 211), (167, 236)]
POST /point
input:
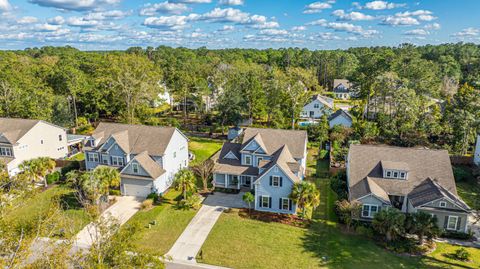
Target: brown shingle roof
[(368, 186), (284, 159), (136, 138), (366, 161), (232, 166), (274, 139), (149, 165)]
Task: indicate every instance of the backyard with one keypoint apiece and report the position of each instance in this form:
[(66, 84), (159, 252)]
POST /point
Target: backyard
[(170, 223), (322, 244), (203, 148), (71, 217)]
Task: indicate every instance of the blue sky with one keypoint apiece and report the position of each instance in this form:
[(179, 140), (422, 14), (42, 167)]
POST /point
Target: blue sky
[(326, 24)]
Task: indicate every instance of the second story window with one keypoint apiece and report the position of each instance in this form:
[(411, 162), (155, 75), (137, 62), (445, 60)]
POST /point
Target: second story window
[(93, 157), (259, 159), (5, 151), (60, 138), (41, 141), (117, 161), (316, 106), (135, 168), (174, 154), (248, 160)]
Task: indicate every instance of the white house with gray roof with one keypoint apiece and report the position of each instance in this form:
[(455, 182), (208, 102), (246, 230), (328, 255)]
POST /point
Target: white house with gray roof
[(148, 157), (409, 179), (267, 161), (25, 139), (317, 107)]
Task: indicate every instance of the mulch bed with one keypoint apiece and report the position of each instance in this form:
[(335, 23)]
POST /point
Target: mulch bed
[(288, 219)]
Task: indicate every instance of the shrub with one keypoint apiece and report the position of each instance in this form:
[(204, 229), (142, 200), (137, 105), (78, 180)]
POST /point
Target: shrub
[(461, 173), (457, 235), (462, 254), (72, 166), (339, 185), (193, 201), (114, 192), (155, 197), (53, 177), (147, 204)]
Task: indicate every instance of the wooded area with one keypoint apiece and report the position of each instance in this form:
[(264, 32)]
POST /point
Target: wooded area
[(412, 95)]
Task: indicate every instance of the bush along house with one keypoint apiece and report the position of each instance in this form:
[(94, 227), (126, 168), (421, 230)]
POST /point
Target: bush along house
[(267, 162)]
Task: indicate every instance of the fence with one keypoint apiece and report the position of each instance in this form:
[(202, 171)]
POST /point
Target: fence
[(461, 160)]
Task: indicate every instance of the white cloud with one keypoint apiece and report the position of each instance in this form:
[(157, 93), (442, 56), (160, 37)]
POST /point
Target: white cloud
[(299, 28), (395, 21), (320, 22), (231, 2), (81, 22), (47, 27), (27, 20), (417, 32), (382, 5), (274, 32), (468, 32), (167, 22), (351, 28), (226, 28), (164, 7), (352, 16), (433, 26), (78, 5), (317, 7), (426, 17), (5, 5), (328, 36), (104, 15), (56, 20), (225, 15)]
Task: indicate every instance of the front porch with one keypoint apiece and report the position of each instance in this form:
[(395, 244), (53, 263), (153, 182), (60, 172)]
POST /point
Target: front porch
[(230, 181)]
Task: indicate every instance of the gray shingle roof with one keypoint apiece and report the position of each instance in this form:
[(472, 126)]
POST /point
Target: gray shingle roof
[(284, 159), (366, 161), (11, 130), (274, 139), (344, 82), (135, 138), (232, 166), (339, 113), (429, 190)]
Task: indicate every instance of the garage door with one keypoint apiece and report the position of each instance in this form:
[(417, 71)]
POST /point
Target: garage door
[(140, 188)]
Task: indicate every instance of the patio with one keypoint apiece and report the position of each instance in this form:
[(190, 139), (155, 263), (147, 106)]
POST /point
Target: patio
[(226, 200)]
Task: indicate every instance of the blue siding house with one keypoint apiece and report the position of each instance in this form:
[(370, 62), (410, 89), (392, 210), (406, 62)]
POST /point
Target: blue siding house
[(267, 162), (147, 157)]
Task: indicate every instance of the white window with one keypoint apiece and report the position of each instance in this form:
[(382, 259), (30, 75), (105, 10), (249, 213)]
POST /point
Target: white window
[(443, 204), (248, 160), (104, 158), (285, 205), (60, 137), (135, 168), (389, 173), (117, 161), (368, 211), (174, 154), (5, 151), (276, 181), (316, 105), (452, 223), (265, 201), (395, 174), (93, 157), (402, 174)]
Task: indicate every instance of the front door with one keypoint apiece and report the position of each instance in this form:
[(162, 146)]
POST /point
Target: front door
[(312, 113), (246, 181)]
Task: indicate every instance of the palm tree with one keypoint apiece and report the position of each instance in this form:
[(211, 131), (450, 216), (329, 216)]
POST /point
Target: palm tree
[(389, 222), (305, 194), (249, 199), (108, 177), (204, 171), (37, 169), (185, 181), (423, 224)]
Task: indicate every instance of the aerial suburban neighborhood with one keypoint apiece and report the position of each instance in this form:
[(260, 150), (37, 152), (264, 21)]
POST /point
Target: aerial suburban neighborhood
[(239, 134)]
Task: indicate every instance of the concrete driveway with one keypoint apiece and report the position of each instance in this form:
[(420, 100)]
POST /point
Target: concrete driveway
[(122, 211), (226, 200)]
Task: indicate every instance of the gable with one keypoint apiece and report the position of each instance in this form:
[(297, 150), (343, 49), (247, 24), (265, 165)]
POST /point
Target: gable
[(128, 169), (230, 155), (437, 204), (370, 199), (275, 170), (254, 146)]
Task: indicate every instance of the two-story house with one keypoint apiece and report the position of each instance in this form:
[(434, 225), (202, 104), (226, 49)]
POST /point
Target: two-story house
[(25, 139), (317, 107), (409, 179), (267, 161), (342, 89), (148, 157)]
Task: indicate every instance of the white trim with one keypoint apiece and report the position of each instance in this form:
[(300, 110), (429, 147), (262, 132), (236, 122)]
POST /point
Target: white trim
[(245, 159), (93, 154), (370, 215), (266, 172), (442, 204), (268, 201), (444, 197), (448, 223), (230, 152), (371, 194), (118, 163), (288, 203), (278, 178), (133, 168)]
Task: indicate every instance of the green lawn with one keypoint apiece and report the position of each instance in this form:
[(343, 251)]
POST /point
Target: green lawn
[(238, 242), (72, 217), (203, 148), (77, 157), (170, 224)]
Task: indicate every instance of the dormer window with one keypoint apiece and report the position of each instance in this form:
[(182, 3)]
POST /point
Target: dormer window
[(248, 160), (389, 174), (395, 174)]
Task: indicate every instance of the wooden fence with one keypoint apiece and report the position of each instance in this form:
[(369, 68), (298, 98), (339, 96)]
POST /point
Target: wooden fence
[(461, 160)]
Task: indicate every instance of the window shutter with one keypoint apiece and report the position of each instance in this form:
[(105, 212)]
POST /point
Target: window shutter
[(459, 222), (446, 222), (260, 198), (290, 204), (271, 178), (281, 181), (279, 203), (270, 202)]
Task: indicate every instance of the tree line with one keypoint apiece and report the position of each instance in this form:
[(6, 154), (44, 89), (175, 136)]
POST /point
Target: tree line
[(407, 95)]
